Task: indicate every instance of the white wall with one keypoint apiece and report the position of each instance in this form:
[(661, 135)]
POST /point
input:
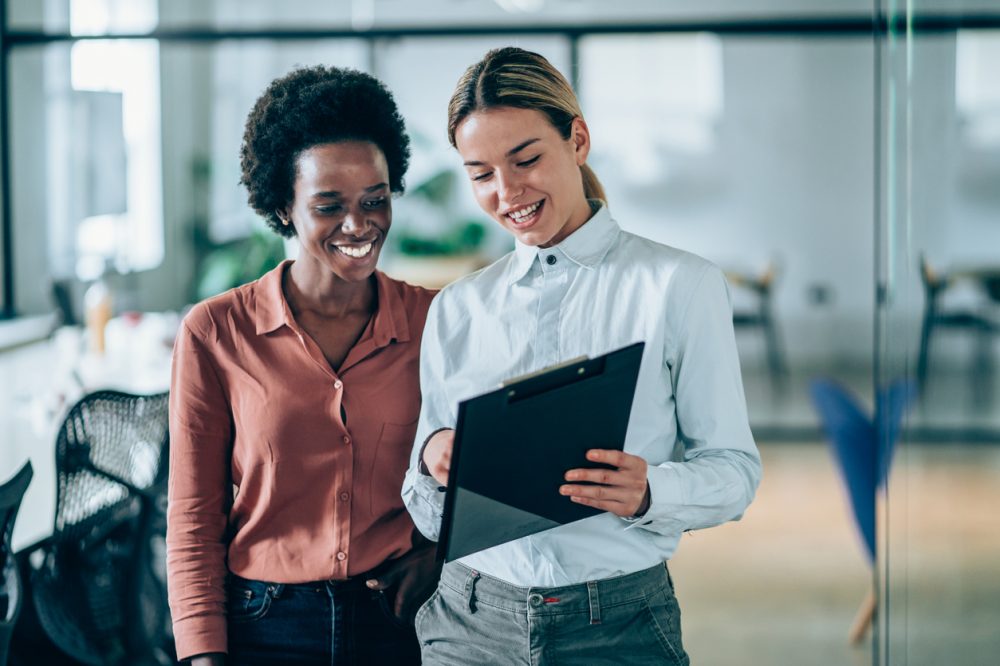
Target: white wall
[(790, 179)]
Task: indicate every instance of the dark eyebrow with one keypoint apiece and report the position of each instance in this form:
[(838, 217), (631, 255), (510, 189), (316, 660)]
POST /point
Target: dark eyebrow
[(332, 194), (513, 151)]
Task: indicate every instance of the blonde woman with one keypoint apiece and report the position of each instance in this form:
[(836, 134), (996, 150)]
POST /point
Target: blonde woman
[(596, 591)]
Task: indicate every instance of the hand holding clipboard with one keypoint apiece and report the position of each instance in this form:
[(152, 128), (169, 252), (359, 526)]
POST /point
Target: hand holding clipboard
[(513, 447)]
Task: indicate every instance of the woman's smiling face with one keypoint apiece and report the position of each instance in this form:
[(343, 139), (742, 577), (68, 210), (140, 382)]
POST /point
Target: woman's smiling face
[(524, 174), (342, 208)]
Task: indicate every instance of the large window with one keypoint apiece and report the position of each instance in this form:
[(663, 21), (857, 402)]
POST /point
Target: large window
[(115, 207)]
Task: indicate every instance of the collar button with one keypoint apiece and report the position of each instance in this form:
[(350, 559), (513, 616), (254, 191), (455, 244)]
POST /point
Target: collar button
[(551, 260)]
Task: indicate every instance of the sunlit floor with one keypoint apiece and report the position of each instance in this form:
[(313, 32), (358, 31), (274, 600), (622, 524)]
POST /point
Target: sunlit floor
[(944, 555), (782, 586)]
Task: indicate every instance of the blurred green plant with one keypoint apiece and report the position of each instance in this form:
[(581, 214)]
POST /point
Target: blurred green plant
[(465, 238), (220, 266), (227, 265), (462, 236)]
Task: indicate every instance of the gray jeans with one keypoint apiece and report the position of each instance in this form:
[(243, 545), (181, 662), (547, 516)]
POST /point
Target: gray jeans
[(475, 619)]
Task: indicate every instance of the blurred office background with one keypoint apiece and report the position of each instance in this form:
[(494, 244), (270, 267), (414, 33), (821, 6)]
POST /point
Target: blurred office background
[(839, 159)]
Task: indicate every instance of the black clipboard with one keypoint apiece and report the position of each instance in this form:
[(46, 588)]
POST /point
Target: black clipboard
[(513, 446)]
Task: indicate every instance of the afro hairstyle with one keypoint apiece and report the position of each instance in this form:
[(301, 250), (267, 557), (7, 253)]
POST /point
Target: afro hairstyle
[(311, 106)]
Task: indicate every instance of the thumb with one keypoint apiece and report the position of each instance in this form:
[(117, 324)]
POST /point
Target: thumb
[(385, 580), (376, 583)]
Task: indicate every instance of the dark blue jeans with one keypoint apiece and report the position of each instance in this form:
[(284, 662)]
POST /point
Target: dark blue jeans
[(328, 623)]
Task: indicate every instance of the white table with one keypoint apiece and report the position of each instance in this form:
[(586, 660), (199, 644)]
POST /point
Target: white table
[(39, 382)]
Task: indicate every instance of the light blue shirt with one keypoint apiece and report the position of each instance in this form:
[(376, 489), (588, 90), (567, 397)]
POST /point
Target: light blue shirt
[(604, 289)]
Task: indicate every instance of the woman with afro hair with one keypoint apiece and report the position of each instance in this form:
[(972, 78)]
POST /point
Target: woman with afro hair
[(294, 401)]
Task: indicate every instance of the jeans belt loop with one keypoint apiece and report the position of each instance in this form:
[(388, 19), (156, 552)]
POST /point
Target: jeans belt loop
[(595, 602), (470, 589)]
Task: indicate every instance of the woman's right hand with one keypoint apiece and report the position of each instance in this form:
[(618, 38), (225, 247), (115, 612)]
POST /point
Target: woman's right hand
[(437, 455), (215, 659)]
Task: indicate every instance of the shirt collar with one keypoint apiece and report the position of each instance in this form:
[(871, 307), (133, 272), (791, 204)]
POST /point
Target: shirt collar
[(390, 322), (586, 246), (270, 305)]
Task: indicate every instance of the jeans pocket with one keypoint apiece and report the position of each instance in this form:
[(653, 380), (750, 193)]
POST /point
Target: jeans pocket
[(386, 604), (424, 608), (665, 615), (248, 600)]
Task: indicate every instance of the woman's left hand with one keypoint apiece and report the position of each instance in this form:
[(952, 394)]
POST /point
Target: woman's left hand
[(623, 491), (414, 575)]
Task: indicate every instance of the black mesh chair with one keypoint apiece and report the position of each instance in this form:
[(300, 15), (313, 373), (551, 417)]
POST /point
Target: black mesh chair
[(11, 590), (100, 592)]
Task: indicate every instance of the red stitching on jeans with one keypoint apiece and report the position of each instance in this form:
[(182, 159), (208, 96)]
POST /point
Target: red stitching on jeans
[(551, 600)]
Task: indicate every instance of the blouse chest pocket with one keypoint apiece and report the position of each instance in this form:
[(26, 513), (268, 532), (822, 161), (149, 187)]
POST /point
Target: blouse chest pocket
[(392, 457)]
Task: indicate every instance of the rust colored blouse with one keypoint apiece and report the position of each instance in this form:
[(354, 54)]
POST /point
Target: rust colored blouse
[(280, 468)]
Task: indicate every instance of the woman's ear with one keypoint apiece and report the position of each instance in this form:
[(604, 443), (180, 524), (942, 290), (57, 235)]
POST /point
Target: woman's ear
[(580, 136), (283, 215)]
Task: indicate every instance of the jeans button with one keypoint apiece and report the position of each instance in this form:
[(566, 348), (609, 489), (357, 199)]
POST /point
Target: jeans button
[(535, 599)]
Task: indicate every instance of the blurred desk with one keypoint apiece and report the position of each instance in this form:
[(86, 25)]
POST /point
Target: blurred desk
[(432, 271), (987, 277), (41, 381)]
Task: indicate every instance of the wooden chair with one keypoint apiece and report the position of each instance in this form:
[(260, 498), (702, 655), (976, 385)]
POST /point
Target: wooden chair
[(966, 318), (762, 316)]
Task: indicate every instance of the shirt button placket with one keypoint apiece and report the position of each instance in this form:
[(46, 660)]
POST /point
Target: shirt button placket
[(555, 284)]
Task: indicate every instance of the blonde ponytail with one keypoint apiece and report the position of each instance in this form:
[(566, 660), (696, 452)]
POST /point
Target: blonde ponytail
[(592, 188)]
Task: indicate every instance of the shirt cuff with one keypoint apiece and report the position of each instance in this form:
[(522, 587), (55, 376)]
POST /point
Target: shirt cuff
[(665, 496), (201, 634), (429, 489)]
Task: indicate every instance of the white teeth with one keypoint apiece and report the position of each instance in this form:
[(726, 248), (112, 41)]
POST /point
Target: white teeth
[(356, 252), (525, 212)]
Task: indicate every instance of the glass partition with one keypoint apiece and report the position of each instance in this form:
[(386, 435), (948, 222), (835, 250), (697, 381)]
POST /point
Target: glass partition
[(938, 332)]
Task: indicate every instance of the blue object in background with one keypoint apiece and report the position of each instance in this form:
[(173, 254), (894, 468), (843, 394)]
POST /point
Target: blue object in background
[(862, 445)]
